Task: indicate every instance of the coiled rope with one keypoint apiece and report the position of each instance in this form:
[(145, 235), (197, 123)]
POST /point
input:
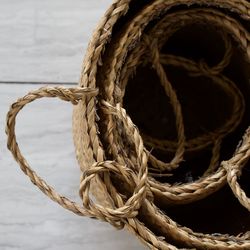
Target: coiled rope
[(130, 164)]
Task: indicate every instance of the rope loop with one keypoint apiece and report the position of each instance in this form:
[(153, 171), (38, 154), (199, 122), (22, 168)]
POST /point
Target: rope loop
[(127, 210), (115, 216), (233, 175)]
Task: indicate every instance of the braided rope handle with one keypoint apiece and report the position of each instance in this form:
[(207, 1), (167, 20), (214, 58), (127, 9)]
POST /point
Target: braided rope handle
[(234, 170), (114, 216)]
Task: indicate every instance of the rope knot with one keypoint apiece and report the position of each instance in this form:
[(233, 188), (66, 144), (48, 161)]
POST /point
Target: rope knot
[(233, 170), (122, 210), (206, 70)]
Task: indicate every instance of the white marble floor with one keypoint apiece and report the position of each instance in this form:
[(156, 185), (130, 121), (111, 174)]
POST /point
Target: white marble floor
[(45, 41)]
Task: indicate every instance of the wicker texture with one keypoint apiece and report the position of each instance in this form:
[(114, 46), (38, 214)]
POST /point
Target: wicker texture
[(118, 166)]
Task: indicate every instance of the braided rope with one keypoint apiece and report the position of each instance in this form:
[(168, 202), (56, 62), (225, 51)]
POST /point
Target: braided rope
[(115, 162), (186, 193), (113, 216)]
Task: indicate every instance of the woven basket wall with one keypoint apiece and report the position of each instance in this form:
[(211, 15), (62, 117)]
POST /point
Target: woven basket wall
[(180, 69), (160, 123)]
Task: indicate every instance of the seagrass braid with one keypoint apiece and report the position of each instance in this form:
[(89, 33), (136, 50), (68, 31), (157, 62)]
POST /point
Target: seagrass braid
[(201, 68), (234, 168), (220, 177), (243, 8), (119, 153), (123, 213), (185, 193), (186, 17), (113, 216), (229, 126), (225, 237), (188, 192), (198, 68)]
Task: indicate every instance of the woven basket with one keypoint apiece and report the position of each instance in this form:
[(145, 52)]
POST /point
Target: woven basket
[(160, 123)]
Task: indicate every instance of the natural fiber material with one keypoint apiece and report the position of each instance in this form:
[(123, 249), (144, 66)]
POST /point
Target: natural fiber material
[(179, 71)]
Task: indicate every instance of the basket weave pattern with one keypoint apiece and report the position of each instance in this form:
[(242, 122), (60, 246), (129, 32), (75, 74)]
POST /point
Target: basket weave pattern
[(118, 166)]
